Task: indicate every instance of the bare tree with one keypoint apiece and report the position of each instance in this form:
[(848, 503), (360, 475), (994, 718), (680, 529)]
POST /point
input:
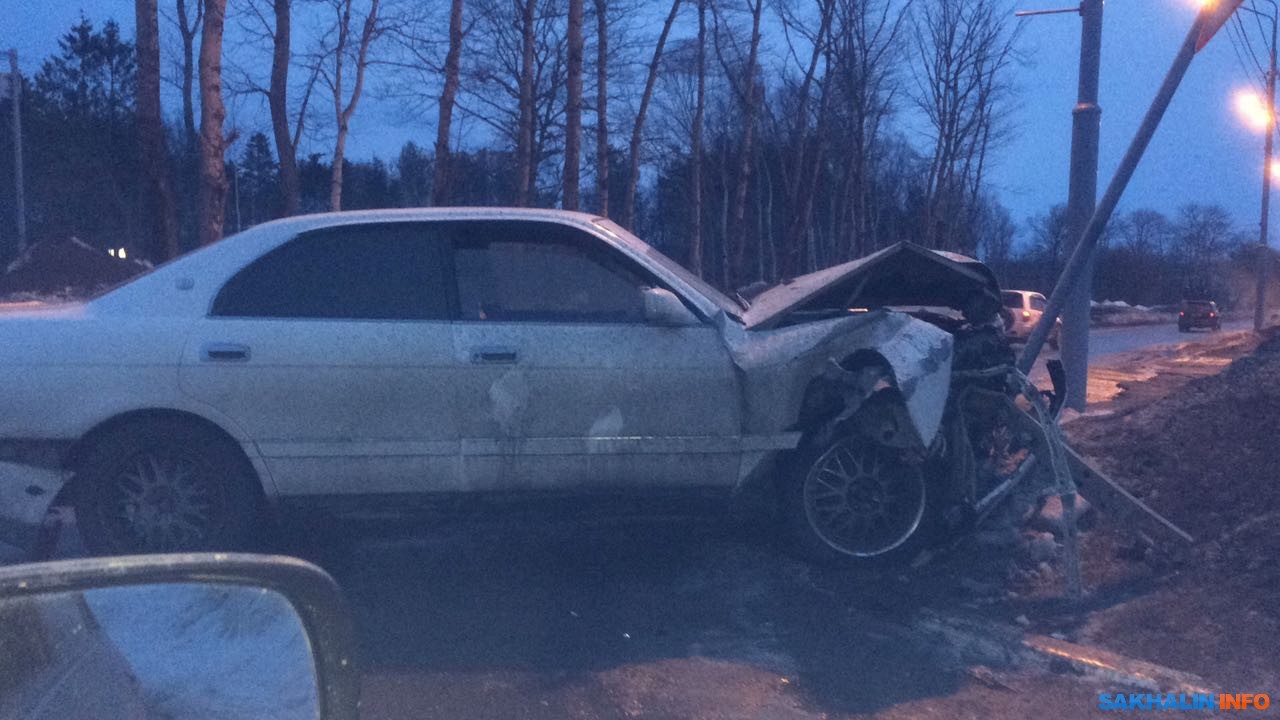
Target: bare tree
[(516, 87), (335, 57), (964, 50), (637, 129), (699, 115), (213, 177), (155, 156), (525, 129), (867, 49), (274, 27), (805, 146), (602, 107), (448, 97), (188, 28), (278, 101), (748, 93), (573, 110)]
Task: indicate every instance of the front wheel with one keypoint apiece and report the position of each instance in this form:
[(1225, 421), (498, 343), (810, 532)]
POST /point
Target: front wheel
[(856, 501), (157, 488)]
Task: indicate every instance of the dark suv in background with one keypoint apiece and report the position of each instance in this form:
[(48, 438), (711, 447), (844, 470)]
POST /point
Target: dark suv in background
[(1199, 314)]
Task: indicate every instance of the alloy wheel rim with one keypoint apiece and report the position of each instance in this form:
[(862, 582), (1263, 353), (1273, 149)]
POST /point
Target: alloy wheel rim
[(163, 502), (863, 501)]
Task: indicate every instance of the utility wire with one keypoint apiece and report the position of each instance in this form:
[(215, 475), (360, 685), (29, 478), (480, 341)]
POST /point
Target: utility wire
[(1237, 47), (1249, 44)]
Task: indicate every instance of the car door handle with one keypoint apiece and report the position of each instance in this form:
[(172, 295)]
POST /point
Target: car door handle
[(495, 356), (224, 352)]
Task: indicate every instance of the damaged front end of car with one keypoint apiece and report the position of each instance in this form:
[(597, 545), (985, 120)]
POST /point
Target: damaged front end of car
[(902, 359)]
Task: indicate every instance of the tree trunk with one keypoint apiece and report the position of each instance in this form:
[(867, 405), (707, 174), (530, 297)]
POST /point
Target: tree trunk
[(213, 176), (602, 107), (187, 30), (699, 110), (343, 114), (448, 96), (278, 102), (573, 109), (524, 131), (155, 157), (637, 130), (737, 246)]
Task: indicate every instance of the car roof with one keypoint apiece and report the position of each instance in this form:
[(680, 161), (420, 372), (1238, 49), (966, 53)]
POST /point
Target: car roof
[(149, 293)]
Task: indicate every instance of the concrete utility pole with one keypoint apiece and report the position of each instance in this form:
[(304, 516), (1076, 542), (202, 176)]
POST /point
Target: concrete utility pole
[(1264, 247), (15, 78), (1211, 18), (1082, 196)]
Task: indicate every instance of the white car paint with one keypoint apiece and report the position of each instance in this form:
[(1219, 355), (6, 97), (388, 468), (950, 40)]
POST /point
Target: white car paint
[(354, 407)]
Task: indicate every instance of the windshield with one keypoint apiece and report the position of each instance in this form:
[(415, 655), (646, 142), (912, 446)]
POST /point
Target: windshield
[(722, 301)]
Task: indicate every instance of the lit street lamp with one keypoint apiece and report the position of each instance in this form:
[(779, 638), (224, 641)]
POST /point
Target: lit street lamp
[(1259, 114)]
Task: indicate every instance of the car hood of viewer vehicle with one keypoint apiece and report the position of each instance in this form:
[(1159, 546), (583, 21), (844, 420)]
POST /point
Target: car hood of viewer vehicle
[(904, 274)]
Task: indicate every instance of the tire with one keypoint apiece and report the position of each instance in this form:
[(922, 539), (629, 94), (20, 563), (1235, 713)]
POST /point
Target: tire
[(817, 500), (161, 487)]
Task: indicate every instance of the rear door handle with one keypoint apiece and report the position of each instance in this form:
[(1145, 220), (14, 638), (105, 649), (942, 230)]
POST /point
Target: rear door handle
[(495, 356), (224, 352)]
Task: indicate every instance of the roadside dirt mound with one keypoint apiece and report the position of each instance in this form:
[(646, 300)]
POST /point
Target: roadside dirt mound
[(68, 268), (1207, 457)]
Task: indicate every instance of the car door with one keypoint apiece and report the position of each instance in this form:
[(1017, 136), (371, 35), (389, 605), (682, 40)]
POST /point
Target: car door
[(566, 385), (334, 352)]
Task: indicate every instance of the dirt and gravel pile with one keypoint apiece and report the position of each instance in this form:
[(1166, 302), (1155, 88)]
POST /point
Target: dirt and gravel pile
[(1206, 456)]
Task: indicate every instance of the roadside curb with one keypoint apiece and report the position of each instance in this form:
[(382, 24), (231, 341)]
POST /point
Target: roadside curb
[(980, 641)]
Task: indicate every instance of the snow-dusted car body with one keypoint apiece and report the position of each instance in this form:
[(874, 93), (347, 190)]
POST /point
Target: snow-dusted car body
[(397, 354)]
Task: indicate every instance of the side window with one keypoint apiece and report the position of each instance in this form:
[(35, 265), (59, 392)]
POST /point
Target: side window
[(393, 271), (536, 271), (1037, 302)]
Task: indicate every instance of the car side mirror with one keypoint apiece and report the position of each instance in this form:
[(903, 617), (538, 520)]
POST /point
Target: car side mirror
[(662, 307), (175, 636)]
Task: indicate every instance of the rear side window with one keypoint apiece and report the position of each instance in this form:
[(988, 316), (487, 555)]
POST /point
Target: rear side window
[(1037, 302), (1013, 300), (542, 272), (392, 271)]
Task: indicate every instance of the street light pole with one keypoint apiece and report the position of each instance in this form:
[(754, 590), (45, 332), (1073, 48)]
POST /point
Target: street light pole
[(1082, 195), (15, 98), (1268, 144)]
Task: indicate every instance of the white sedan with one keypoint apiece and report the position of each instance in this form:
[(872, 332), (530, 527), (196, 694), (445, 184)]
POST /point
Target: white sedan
[(384, 357)]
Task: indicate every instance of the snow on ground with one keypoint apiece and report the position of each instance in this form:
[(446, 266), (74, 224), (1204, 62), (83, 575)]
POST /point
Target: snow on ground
[(205, 652), (1119, 313)]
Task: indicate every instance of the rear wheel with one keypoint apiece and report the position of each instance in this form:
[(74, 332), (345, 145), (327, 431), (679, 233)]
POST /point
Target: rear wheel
[(154, 487), (857, 501)]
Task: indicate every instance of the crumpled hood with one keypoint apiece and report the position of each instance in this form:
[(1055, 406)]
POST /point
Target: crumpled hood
[(904, 274)]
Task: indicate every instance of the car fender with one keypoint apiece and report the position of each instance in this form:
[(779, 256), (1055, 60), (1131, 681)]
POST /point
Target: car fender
[(778, 365)]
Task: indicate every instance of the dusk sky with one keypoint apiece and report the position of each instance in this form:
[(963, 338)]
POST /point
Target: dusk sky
[(1203, 152)]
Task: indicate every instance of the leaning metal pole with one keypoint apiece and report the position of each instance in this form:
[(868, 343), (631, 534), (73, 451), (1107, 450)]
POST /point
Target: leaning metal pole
[(1083, 251)]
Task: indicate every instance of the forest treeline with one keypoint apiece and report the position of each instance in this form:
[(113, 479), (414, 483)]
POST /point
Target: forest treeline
[(749, 139)]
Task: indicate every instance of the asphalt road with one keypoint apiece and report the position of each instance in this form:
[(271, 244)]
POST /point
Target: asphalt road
[(1111, 340), (630, 619), (1107, 341)]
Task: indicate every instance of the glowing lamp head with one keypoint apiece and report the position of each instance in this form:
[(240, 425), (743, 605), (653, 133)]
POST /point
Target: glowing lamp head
[(1253, 110)]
